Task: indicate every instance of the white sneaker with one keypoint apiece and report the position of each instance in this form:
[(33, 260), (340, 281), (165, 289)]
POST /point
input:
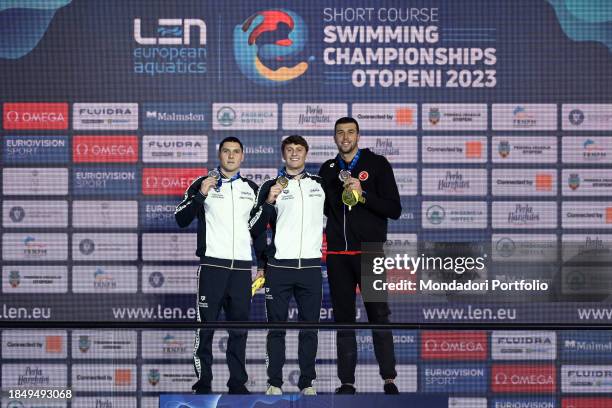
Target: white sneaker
[(309, 391), (272, 390)]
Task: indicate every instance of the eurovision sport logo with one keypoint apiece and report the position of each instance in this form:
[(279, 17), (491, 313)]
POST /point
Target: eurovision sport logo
[(48, 149), (271, 63)]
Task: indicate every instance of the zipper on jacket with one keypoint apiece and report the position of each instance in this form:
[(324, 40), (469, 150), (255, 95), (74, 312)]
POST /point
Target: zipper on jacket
[(302, 225), (344, 226), (233, 215)]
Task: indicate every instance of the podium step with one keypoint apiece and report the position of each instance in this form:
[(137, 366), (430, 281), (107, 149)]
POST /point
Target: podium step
[(301, 401)]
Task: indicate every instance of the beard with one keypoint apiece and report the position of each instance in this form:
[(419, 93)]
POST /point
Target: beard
[(347, 149)]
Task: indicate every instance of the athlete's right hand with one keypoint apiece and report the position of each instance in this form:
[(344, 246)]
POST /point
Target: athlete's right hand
[(207, 184), (275, 191)]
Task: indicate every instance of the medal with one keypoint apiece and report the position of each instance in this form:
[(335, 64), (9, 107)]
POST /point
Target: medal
[(283, 181), (283, 177), (344, 175), (216, 175), (350, 198)]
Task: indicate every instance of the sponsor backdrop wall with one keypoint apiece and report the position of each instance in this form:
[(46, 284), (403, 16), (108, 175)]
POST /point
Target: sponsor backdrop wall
[(496, 117)]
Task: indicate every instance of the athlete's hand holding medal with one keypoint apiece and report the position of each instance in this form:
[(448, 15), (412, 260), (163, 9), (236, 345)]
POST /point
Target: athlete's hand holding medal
[(212, 181), (276, 189), (281, 183), (352, 194)]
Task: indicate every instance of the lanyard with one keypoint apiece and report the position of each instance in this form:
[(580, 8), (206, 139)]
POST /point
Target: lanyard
[(234, 177), (283, 173), (351, 165)]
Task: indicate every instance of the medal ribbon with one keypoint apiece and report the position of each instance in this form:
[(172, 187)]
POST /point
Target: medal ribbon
[(351, 165), (282, 172), (342, 164), (220, 181)]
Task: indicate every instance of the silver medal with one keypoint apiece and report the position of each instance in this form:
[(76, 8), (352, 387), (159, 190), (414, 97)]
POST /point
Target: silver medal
[(344, 175), (214, 173)]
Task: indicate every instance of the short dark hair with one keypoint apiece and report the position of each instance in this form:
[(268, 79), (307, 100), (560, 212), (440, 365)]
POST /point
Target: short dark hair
[(344, 120), (294, 139), (231, 139)]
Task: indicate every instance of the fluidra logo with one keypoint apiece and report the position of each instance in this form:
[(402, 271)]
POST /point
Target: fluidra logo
[(175, 144)]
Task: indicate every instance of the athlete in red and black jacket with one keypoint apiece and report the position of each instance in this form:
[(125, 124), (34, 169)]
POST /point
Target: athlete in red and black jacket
[(371, 177)]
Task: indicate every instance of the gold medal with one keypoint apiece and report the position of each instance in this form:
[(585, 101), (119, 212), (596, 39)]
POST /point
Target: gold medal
[(283, 181), (349, 198)]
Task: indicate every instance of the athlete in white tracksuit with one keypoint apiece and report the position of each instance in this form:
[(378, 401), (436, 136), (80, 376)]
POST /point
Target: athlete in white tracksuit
[(222, 207), (295, 214)]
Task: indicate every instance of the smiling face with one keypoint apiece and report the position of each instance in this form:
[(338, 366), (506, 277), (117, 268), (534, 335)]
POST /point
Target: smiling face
[(295, 157), (347, 138), (230, 158)]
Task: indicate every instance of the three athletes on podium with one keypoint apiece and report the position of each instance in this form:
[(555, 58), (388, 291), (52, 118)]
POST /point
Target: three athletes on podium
[(357, 192)]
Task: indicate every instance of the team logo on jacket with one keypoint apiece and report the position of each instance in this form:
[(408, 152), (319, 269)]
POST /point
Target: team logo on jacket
[(364, 175)]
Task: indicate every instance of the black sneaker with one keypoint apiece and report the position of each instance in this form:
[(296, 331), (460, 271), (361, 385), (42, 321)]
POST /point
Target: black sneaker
[(346, 389), (391, 389), (241, 389), (201, 391)]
